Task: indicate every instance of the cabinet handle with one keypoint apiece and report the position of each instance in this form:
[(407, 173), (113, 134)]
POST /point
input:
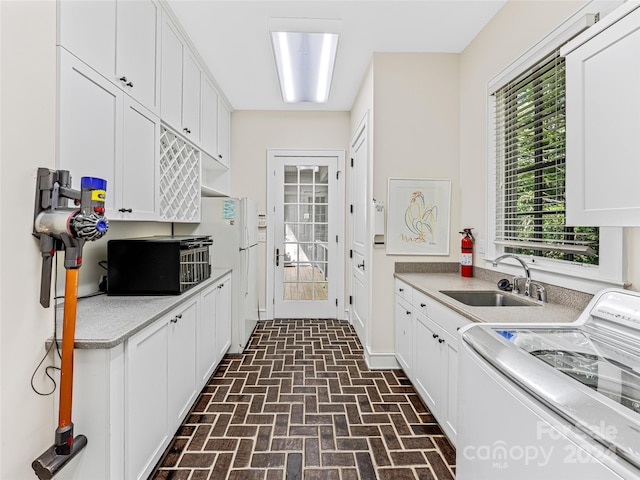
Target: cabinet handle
[(126, 210), (220, 156), (423, 305), (186, 130), (126, 82), (401, 289), (174, 320), (221, 285), (408, 312), (441, 340), (435, 335), (179, 316)]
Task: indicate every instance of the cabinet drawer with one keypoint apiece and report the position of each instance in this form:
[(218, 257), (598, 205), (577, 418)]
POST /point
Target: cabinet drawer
[(404, 291), (421, 302), (449, 320)]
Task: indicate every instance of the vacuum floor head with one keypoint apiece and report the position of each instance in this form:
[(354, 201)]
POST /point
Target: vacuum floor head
[(50, 463)]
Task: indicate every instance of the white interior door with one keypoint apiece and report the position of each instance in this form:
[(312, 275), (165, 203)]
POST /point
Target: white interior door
[(359, 271), (306, 234)]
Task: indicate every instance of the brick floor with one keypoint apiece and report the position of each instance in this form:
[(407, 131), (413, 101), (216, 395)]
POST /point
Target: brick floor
[(301, 404)]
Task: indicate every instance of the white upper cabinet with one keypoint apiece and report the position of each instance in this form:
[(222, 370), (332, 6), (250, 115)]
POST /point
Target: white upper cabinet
[(89, 116), (118, 40), (137, 52), (191, 97), (209, 117), (179, 83), (104, 133), (125, 65), (139, 167), (224, 130), (603, 122), (171, 74), (88, 30)]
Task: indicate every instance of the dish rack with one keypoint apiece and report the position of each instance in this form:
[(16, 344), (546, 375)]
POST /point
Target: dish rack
[(195, 266)]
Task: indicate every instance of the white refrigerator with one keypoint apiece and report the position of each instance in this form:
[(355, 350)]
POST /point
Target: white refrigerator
[(233, 224)]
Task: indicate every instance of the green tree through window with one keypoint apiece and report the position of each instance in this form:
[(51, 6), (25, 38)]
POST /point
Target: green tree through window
[(530, 149)]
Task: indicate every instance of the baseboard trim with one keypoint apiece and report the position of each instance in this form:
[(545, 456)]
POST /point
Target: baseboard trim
[(380, 361)]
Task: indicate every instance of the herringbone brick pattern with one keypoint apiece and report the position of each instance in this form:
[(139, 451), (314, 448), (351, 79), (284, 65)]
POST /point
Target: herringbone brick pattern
[(301, 404)]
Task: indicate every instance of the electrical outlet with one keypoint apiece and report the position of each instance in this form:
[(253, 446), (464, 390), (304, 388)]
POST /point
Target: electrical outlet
[(262, 236)]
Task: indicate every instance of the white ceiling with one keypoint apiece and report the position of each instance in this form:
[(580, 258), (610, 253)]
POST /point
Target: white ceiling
[(233, 39)]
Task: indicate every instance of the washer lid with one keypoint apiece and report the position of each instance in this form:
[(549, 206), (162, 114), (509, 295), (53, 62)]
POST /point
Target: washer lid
[(591, 382)]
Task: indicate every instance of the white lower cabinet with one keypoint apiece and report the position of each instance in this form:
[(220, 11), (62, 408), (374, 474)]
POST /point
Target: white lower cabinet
[(146, 401), (404, 335), (182, 362), (432, 347), (428, 361), (214, 327), (223, 318), (206, 352), (130, 399)]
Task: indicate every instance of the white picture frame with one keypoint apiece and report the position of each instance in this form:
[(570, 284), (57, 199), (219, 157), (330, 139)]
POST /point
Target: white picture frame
[(418, 216)]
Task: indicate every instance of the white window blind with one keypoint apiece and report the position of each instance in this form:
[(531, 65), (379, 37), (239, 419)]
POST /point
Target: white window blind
[(530, 161)]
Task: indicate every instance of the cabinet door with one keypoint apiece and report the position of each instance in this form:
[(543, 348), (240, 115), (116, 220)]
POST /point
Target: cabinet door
[(206, 348), (147, 408), (404, 336), (171, 75), (88, 30), (223, 319), (139, 167), (224, 132), (449, 404), (191, 98), (428, 361), (89, 136), (182, 362), (603, 120), (137, 51), (209, 118)]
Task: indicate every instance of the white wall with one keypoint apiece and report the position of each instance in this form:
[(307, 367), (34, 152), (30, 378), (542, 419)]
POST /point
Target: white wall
[(27, 141), (255, 132), (415, 135)]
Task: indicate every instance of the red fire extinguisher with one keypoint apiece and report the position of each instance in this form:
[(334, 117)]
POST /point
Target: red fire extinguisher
[(466, 259)]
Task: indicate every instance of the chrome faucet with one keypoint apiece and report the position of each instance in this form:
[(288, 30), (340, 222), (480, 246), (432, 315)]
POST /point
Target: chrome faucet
[(527, 272)]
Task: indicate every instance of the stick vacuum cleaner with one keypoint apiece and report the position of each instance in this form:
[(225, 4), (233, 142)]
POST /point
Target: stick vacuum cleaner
[(59, 227)]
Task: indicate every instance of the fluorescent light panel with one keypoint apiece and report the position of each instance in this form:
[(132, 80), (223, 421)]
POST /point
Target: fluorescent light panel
[(305, 63)]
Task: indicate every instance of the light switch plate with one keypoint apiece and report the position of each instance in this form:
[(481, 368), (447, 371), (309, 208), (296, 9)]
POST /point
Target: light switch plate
[(482, 246), (262, 236)]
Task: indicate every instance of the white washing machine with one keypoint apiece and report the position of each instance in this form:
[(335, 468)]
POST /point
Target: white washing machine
[(559, 402)]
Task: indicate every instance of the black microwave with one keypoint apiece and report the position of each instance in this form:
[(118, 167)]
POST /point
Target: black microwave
[(160, 265)]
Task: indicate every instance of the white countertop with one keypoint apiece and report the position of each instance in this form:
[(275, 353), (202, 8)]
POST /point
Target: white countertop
[(432, 283), (105, 321)]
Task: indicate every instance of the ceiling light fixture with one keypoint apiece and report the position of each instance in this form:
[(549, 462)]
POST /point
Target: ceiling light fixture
[(305, 63)]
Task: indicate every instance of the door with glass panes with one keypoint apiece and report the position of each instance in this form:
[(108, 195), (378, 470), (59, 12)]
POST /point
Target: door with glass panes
[(307, 230)]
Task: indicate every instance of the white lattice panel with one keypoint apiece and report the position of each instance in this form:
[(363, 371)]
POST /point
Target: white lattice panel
[(179, 178)]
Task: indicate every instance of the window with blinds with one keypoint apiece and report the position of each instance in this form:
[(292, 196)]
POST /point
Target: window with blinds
[(530, 168)]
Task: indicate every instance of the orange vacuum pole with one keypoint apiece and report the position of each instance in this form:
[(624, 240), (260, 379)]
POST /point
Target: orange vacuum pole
[(68, 337)]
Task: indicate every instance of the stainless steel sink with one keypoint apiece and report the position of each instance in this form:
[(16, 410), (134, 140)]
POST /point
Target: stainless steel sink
[(487, 298)]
